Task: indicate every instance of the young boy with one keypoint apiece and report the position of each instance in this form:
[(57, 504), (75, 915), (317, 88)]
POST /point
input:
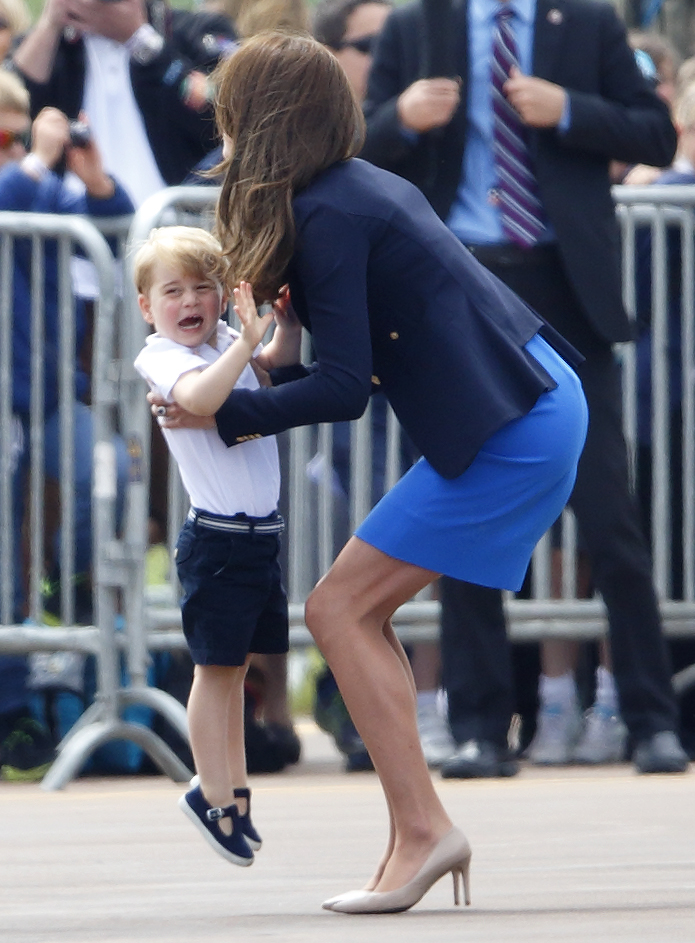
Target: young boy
[(226, 555)]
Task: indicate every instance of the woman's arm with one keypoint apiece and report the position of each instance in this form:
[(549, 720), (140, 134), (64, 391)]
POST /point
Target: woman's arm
[(329, 270)]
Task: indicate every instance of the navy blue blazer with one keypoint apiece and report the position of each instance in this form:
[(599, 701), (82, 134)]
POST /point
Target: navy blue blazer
[(393, 301)]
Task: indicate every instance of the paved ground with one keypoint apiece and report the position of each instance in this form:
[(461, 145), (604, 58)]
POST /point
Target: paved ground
[(574, 855)]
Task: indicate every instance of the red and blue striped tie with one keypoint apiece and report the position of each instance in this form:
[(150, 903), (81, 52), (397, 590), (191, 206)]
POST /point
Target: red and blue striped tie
[(517, 189)]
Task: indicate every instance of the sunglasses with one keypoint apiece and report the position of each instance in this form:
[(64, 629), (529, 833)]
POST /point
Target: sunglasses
[(363, 44), (8, 138)]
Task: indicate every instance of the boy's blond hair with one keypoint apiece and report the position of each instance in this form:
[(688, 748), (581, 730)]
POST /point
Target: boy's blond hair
[(184, 248), (13, 94)]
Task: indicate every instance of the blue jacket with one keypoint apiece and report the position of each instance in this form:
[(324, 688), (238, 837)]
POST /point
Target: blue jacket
[(21, 193), (394, 302)]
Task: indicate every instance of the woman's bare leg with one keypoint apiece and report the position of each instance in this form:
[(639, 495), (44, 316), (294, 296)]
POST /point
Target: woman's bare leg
[(216, 723), (348, 614), (395, 643)]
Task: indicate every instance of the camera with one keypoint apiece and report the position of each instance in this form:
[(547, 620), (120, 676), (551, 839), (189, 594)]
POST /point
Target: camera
[(80, 134)]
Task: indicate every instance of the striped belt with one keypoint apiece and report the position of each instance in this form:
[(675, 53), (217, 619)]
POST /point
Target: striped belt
[(232, 525)]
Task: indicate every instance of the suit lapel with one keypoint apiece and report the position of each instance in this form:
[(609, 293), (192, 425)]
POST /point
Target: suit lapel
[(552, 19)]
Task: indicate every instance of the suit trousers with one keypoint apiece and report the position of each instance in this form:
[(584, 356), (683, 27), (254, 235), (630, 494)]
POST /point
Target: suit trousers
[(475, 650)]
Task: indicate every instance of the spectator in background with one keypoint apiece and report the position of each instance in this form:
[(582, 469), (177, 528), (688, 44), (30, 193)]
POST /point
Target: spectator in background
[(15, 19), (659, 62), (138, 70), (350, 29), (682, 173), (665, 59), (567, 83), (271, 740), (252, 16), (28, 184)]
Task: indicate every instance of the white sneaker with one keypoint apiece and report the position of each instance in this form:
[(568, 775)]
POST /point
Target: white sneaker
[(435, 737), (557, 730), (603, 739)]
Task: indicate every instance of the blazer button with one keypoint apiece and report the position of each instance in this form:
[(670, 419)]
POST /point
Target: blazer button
[(394, 335), (376, 381)]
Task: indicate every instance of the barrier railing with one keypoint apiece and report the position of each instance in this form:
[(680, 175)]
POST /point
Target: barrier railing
[(112, 563), (332, 476)]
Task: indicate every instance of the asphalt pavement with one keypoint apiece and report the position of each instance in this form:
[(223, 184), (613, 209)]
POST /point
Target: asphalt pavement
[(573, 855)]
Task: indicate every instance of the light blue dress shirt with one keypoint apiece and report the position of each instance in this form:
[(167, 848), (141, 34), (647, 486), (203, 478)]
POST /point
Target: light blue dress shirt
[(474, 217)]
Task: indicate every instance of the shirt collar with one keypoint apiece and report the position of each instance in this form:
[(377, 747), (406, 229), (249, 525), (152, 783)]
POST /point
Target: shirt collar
[(483, 11)]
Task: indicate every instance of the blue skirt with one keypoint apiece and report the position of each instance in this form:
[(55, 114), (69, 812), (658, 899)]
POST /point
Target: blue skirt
[(483, 526)]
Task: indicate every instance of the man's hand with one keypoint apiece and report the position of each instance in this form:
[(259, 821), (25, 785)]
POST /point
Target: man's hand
[(54, 14), (539, 103), (428, 104), (117, 21), (50, 134), (85, 162)]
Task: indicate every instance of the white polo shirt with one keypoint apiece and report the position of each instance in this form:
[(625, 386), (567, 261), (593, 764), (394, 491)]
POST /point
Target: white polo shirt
[(242, 479)]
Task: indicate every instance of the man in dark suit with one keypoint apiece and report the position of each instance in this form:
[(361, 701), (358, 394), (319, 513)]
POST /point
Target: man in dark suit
[(582, 101)]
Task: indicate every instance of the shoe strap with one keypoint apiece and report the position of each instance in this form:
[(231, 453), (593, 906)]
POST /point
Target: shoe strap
[(221, 812), (242, 794)]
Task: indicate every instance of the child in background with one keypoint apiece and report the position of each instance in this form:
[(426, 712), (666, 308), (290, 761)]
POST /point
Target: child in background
[(226, 554)]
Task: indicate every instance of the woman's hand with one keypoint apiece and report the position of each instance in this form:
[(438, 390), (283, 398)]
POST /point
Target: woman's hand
[(173, 416), (285, 316)]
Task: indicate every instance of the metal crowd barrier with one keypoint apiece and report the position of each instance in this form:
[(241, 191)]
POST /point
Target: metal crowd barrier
[(320, 506)]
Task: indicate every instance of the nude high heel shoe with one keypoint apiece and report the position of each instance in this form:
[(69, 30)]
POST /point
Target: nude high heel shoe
[(452, 853)]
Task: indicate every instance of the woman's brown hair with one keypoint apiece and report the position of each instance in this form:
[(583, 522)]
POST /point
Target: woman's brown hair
[(285, 105)]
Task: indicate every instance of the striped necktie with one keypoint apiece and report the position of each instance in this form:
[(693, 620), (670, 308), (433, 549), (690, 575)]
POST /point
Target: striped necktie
[(523, 219)]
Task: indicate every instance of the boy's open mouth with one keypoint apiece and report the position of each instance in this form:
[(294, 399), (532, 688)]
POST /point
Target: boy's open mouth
[(193, 321)]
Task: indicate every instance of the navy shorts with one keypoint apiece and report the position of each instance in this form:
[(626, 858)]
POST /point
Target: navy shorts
[(234, 602)]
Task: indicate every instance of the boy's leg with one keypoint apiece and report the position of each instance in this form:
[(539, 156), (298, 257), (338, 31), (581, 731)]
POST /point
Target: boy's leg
[(215, 718)]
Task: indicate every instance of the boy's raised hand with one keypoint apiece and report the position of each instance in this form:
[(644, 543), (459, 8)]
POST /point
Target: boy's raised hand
[(253, 327)]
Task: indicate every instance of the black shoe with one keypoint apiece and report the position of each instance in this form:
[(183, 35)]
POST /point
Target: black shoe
[(477, 759), (660, 753), (264, 753), (26, 752), (286, 740), (359, 761), (331, 715)]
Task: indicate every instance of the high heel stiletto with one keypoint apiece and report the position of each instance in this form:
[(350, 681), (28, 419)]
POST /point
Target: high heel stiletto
[(452, 853)]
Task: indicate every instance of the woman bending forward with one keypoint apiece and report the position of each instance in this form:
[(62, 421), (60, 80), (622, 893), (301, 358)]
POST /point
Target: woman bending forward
[(478, 381)]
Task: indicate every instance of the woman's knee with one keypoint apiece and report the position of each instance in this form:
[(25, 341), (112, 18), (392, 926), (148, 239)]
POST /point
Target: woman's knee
[(317, 612)]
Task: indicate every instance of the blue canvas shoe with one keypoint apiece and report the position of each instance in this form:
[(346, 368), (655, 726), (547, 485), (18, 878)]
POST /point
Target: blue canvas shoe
[(245, 824), (247, 827), (205, 817)]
